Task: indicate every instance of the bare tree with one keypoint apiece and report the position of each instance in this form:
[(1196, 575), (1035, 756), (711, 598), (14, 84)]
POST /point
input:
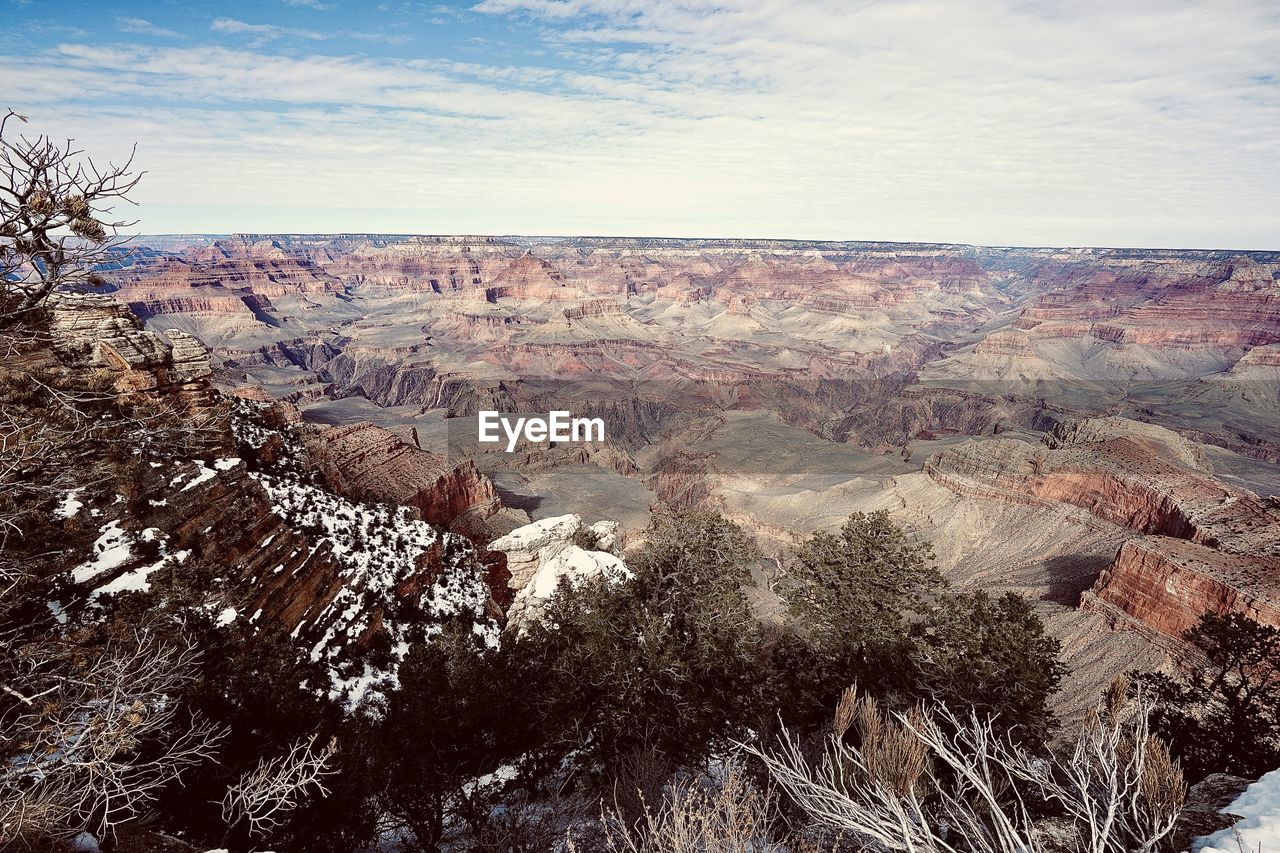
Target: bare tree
[(57, 219), (938, 784), (90, 738), (264, 796)]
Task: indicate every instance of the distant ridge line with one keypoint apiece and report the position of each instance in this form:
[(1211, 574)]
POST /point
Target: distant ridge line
[(740, 243)]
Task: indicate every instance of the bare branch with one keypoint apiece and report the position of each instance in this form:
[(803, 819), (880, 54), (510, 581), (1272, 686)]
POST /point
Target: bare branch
[(939, 784), (263, 797), (55, 225)]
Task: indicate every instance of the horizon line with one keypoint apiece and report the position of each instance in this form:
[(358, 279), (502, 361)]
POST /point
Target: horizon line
[(549, 237)]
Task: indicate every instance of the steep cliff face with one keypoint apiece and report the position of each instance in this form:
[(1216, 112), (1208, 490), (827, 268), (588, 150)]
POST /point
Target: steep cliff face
[(370, 462), (246, 518), (1165, 585), (426, 265), (230, 284), (352, 583), (1205, 546), (98, 333), (1165, 302)]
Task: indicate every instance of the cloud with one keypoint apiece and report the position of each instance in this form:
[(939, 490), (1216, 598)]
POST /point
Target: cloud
[(996, 121), (145, 27), (262, 32), (311, 4)]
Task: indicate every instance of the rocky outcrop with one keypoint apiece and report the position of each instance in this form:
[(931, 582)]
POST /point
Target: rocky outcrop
[(371, 463), (354, 584), (541, 554), (1173, 301), (1206, 546), (1205, 811), (1008, 342), (1165, 585), (98, 333)]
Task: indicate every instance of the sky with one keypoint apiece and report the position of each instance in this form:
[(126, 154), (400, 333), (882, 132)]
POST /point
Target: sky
[(995, 122)]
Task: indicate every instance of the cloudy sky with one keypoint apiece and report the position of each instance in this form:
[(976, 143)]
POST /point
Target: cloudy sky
[(1029, 122)]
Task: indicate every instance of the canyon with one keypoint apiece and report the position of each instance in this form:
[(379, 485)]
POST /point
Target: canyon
[(1093, 428)]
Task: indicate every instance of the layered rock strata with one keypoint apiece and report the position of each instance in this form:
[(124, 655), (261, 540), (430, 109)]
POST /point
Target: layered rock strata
[(98, 333), (1205, 546), (372, 463)]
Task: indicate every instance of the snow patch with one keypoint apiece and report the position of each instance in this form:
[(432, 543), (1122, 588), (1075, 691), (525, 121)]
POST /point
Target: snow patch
[(205, 473), (1259, 805), (70, 505), (110, 551), (377, 549)]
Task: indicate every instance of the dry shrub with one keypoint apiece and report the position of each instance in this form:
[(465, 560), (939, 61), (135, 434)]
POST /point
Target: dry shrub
[(936, 783), (696, 815)]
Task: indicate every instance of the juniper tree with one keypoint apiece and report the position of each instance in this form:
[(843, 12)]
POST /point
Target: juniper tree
[(57, 216)]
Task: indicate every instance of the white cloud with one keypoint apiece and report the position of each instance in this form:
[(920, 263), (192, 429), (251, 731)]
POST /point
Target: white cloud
[(142, 26), (310, 4), (997, 121), (262, 32)]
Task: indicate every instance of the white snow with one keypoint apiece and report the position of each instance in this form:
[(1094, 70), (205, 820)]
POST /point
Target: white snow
[(85, 843), (131, 581), (110, 551), (1259, 805), (59, 615), (377, 548), (544, 553), (539, 534), (135, 580), (227, 616), (205, 473), (70, 505), (576, 564)]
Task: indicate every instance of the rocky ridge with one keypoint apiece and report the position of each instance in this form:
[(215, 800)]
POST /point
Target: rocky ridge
[(1202, 545), (98, 333)]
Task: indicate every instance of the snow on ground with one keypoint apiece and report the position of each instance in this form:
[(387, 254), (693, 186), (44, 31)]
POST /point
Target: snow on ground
[(1259, 805), (576, 564), (110, 551), (544, 552), (135, 580), (70, 505), (378, 547), (204, 473), (538, 535)]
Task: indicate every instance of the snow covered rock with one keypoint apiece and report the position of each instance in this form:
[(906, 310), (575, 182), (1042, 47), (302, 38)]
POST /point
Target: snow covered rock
[(540, 554), (1259, 829)]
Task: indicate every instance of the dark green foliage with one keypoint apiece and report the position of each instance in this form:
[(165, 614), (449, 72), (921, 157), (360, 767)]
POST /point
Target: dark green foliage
[(586, 539), (858, 587), (991, 655), (1225, 716), (670, 662), (451, 722), (867, 606)]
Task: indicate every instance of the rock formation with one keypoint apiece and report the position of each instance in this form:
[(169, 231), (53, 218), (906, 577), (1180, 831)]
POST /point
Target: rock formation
[(372, 463), (98, 333), (541, 554), (1206, 546)]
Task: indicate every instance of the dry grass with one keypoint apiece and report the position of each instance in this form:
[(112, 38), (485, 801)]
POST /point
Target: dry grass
[(935, 783), (729, 816)]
